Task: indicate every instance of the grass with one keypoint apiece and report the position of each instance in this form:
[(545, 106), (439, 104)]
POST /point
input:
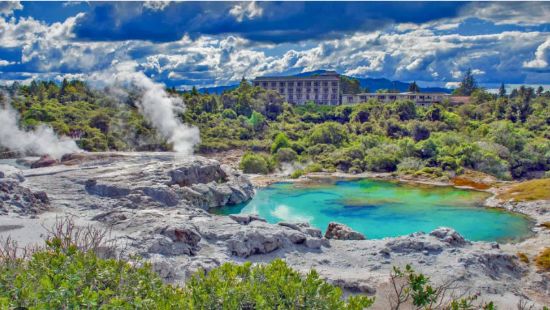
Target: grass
[(461, 181), (543, 260), (545, 225), (523, 257), (528, 191)]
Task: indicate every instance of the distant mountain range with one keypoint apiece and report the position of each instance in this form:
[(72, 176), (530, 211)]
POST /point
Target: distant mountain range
[(371, 84)]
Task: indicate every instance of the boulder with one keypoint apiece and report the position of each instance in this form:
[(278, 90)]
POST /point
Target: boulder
[(449, 236), (21, 200), (245, 219), (342, 232), (190, 173), (171, 240), (44, 161), (106, 190)]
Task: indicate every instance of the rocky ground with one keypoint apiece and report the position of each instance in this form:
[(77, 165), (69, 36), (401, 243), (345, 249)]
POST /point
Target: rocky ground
[(156, 205)]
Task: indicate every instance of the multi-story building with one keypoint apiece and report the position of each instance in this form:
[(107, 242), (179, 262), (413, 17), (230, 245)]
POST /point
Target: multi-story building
[(421, 99), (325, 89), (321, 89)]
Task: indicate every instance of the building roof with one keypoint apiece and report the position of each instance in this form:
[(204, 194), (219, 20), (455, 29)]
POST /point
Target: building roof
[(324, 75)]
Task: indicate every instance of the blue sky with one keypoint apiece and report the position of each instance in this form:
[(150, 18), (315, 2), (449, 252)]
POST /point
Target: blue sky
[(183, 44)]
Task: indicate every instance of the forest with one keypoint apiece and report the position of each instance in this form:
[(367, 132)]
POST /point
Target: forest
[(504, 135)]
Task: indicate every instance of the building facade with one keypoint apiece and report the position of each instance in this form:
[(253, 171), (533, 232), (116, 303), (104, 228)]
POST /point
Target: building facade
[(421, 99), (325, 89), (321, 89)]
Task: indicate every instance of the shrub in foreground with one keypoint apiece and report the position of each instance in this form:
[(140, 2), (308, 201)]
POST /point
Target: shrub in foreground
[(61, 276), (543, 260)]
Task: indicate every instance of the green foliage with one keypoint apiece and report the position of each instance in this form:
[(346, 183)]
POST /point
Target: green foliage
[(296, 173), (256, 163), (505, 136), (286, 154), (280, 141), (269, 286), (328, 133), (61, 276)]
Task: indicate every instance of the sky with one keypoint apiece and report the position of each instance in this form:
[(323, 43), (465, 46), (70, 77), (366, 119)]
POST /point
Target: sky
[(205, 44)]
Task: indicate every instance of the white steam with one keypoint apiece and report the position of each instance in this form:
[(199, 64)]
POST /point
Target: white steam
[(41, 141), (155, 105)]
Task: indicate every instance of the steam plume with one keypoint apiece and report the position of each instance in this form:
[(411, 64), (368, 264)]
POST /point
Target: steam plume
[(155, 105), (41, 141)]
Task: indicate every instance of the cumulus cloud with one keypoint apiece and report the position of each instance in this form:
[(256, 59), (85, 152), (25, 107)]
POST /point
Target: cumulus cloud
[(542, 57), (156, 5), (510, 12), (7, 7), (246, 10)]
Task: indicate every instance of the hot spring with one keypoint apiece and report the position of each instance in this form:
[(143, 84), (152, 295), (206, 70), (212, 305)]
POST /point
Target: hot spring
[(382, 209)]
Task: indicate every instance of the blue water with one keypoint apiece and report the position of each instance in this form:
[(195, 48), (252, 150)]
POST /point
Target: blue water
[(381, 209)]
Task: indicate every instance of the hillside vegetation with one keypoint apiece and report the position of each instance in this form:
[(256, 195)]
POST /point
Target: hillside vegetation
[(504, 136)]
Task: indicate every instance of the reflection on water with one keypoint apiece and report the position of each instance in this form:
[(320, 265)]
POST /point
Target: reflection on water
[(385, 209)]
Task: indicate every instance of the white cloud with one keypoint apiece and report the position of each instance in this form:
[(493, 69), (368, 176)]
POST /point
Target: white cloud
[(542, 57), (7, 7), (156, 5), (510, 12), (248, 10)]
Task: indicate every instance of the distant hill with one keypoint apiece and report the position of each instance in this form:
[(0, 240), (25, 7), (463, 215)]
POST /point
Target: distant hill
[(371, 83)]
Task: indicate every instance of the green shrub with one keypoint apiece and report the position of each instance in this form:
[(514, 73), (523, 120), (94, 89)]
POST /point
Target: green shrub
[(63, 277), (269, 286), (255, 163), (60, 276), (228, 113), (296, 173), (280, 141), (286, 154), (314, 168), (328, 133)]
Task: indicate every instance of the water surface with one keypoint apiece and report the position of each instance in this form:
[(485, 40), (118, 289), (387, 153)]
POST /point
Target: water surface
[(381, 209)]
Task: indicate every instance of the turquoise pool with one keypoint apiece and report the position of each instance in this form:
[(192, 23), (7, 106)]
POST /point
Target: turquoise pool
[(385, 209)]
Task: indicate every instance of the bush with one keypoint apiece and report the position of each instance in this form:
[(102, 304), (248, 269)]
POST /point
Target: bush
[(269, 286), (255, 163), (296, 173), (61, 276), (286, 154), (314, 168), (329, 133), (381, 159), (228, 113), (280, 141)]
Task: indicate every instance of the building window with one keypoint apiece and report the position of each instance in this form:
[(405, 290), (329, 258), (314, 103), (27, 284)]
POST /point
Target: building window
[(308, 90), (315, 83), (298, 90), (350, 99), (273, 84), (290, 83), (363, 98), (291, 90), (334, 83), (281, 84), (299, 83), (334, 90), (325, 96), (290, 97), (264, 84), (281, 90), (307, 97), (308, 83), (298, 96), (256, 83), (325, 90), (382, 97), (325, 83)]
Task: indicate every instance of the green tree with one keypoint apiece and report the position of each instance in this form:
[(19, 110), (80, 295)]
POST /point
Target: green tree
[(467, 85), (413, 87), (502, 90), (328, 133)]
